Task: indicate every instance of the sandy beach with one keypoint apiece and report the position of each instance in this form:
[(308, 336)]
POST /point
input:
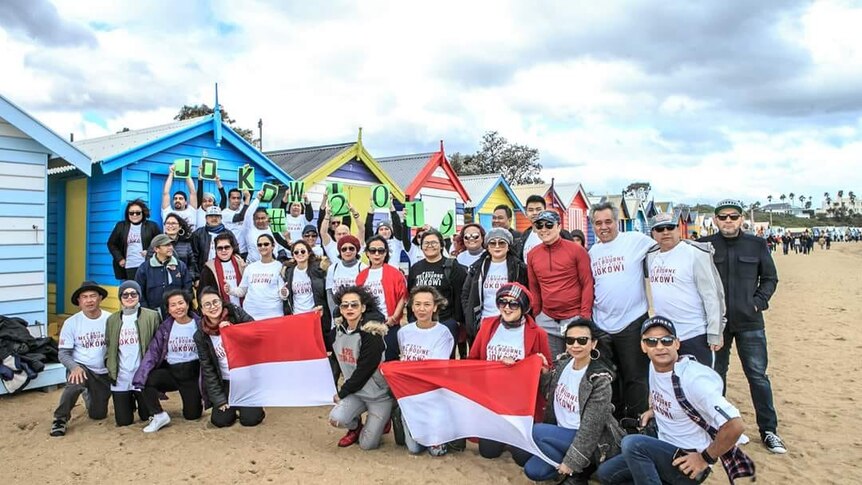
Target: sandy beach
[(815, 367)]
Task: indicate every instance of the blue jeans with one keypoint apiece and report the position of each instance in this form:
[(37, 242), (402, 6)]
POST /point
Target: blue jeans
[(554, 441), (751, 347), (644, 461)]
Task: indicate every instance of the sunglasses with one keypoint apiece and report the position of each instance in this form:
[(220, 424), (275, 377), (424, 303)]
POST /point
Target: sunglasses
[(212, 304), (732, 217), (223, 248), (300, 251), (376, 250), (579, 340), (544, 225), (135, 213), (349, 304), (128, 295), (264, 245), (310, 234), (652, 342), (431, 244), (471, 237), (334, 223), (347, 249), (497, 243), (663, 228), (512, 304)]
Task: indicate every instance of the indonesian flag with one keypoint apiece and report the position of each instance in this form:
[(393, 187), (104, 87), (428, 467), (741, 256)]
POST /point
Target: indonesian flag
[(445, 400), (278, 362)]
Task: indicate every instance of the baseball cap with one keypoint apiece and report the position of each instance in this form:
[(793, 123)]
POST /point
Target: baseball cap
[(729, 204), (658, 321), (666, 219), (549, 216), (213, 210)]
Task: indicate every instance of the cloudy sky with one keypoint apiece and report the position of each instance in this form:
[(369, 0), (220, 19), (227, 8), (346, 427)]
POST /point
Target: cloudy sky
[(702, 99)]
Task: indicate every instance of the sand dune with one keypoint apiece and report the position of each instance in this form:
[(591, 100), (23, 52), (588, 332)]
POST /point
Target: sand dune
[(813, 328)]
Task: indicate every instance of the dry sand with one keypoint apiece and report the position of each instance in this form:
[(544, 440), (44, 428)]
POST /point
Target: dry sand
[(815, 343)]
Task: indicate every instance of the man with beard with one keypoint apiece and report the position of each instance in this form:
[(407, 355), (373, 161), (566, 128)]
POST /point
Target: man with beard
[(183, 205)]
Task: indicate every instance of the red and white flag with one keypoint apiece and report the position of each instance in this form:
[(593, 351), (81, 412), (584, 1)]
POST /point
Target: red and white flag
[(445, 400), (278, 362)]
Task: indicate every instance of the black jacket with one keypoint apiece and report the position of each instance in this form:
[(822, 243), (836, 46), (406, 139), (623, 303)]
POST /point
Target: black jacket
[(471, 294), (118, 242), (749, 277), (518, 247), (213, 385), (201, 240)]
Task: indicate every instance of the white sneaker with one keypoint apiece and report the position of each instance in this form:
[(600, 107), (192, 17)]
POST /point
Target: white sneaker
[(743, 440), (157, 422)]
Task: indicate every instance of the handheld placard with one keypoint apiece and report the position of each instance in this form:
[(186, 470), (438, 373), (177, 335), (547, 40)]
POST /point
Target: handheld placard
[(335, 188), (338, 204), (182, 168), (208, 169), (245, 178), (447, 226), (269, 192), (414, 213), (297, 189), (380, 196), (276, 220)]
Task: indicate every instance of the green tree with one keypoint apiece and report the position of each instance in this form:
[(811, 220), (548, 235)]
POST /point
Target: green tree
[(519, 164), (197, 110)]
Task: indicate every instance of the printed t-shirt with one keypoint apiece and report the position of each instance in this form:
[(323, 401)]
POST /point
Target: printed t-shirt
[(86, 338), (340, 276), (374, 284), (567, 408), (134, 247), (181, 343), (222, 356), (506, 343), (495, 278), (264, 282), (129, 353), (303, 296), (619, 280), (674, 291), (425, 343), (189, 214)]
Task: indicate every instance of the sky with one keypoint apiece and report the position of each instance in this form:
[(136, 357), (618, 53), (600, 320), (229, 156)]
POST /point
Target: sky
[(704, 100)]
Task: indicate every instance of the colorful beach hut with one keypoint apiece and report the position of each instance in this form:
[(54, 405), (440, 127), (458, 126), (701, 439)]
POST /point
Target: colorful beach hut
[(553, 201), (429, 177), (126, 166), (26, 148), (486, 192)]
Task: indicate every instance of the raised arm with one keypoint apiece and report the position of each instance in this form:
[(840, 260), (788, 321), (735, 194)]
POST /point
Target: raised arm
[(166, 190), (222, 195), (193, 193)]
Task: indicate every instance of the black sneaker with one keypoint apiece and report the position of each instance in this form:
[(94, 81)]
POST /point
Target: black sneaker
[(774, 443), (59, 427)]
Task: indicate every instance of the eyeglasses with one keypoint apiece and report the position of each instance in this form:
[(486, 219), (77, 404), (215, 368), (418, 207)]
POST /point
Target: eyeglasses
[(211, 304), (223, 248), (128, 295), (264, 245), (300, 251), (334, 223), (347, 249), (376, 250), (651, 342), (172, 223), (431, 244), (579, 340), (512, 304), (135, 213), (732, 217), (496, 243), (543, 225), (663, 228), (471, 237), (349, 304)]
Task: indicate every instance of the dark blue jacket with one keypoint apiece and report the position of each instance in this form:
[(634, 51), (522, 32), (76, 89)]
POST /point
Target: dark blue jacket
[(156, 278)]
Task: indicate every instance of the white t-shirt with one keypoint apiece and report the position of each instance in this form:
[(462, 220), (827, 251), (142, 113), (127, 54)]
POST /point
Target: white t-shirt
[(339, 276), (236, 228), (252, 233), (181, 343), (212, 254), (201, 217), (263, 280), (331, 250), (619, 280), (506, 343), (374, 284), (189, 214), (134, 247), (495, 278), (129, 357), (702, 388), (567, 408), (86, 338), (425, 343), (531, 242), (674, 291), (294, 225), (303, 295), (222, 357), (466, 259), (230, 278)]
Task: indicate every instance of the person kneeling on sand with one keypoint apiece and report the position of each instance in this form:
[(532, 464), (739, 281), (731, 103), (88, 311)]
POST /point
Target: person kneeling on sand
[(697, 426), (359, 348), (217, 314)]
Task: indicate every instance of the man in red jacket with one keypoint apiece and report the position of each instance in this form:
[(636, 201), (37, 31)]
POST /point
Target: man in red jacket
[(560, 279)]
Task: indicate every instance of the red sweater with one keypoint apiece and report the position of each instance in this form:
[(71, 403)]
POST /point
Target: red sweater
[(535, 342), (561, 280), (394, 287)]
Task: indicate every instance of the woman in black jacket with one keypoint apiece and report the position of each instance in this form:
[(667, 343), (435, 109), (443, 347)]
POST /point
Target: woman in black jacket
[(496, 267), (130, 240), (217, 314), (305, 287)]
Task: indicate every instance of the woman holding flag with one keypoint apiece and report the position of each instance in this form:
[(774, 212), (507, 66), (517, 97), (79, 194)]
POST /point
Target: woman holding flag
[(359, 347), (508, 338), (218, 314), (579, 430)]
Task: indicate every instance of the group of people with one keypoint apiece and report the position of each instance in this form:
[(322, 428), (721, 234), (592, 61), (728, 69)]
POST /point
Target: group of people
[(497, 295)]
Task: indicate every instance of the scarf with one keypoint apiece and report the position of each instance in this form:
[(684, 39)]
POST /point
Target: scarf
[(132, 310), (213, 328), (220, 277), (510, 326), (218, 229)]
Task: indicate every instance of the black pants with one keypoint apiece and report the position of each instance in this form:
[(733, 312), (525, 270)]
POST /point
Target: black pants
[(180, 377), (623, 350), (493, 449), (247, 416), (131, 273), (699, 348), (125, 403), (98, 387)]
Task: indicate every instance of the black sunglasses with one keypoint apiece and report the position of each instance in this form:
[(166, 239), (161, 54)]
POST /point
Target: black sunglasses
[(732, 217), (264, 245), (470, 237), (544, 225), (651, 342), (223, 248), (135, 213), (129, 295), (663, 228), (347, 249), (376, 250), (512, 304), (579, 340), (300, 251)]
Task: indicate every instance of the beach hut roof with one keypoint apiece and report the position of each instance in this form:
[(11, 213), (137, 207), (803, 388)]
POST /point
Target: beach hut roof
[(405, 168), (480, 187), (302, 162), (419, 168)]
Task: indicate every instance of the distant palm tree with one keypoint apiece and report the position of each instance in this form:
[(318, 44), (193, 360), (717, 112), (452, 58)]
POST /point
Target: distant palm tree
[(783, 197), (840, 194), (792, 195), (802, 200), (852, 197), (808, 204), (769, 198)]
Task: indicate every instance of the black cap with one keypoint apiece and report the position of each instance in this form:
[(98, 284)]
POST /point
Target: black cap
[(658, 321)]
